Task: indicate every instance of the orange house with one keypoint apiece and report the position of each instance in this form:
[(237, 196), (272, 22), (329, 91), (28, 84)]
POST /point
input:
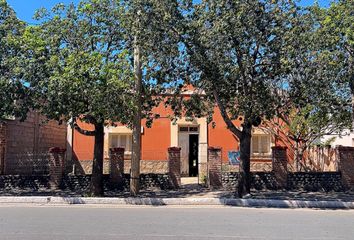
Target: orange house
[(193, 137)]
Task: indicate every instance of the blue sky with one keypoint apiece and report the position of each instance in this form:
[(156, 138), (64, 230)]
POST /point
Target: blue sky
[(26, 8)]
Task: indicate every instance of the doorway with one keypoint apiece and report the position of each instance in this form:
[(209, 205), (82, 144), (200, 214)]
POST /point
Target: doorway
[(188, 141), (193, 155)]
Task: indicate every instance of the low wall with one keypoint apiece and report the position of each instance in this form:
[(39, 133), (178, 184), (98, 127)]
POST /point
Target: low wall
[(260, 180), (313, 181), (33, 183), (30, 164), (79, 184)]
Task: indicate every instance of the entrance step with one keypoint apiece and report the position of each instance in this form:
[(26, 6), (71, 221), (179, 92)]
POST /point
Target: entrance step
[(190, 183), (189, 180)]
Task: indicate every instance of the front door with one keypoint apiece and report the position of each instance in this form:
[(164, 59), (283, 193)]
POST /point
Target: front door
[(183, 143), (193, 155)]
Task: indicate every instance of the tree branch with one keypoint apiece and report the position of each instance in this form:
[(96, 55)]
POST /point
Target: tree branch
[(226, 117), (74, 125)]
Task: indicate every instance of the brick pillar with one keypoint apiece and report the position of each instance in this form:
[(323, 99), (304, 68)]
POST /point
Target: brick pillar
[(346, 166), (214, 166), (116, 158), (280, 165), (2, 147), (56, 165), (174, 166)]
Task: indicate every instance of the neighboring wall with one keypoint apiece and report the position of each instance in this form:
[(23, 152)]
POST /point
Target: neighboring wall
[(345, 139), (30, 137), (33, 135)]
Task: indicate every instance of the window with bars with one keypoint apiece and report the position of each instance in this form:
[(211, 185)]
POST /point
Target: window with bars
[(122, 140), (261, 145)]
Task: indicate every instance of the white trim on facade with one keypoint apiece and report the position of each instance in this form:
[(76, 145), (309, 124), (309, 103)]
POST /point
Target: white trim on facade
[(203, 136)]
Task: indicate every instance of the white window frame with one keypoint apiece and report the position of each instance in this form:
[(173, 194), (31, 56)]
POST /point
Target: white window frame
[(128, 141), (259, 138), (188, 128)]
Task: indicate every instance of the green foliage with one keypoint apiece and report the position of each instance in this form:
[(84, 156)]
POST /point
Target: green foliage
[(236, 46), (316, 101), (336, 28), (79, 62), (13, 94), (76, 64)]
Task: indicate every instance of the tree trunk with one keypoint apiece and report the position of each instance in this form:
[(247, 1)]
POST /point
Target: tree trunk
[(136, 153), (296, 157), (351, 84), (352, 91), (244, 182), (352, 95), (97, 167)]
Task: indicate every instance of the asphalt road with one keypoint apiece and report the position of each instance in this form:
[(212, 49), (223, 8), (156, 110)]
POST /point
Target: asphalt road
[(87, 222)]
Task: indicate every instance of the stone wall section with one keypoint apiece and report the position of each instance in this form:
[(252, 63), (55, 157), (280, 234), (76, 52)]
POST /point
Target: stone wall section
[(260, 180), (214, 167), (256, 166), (76, 185), (299, 181), (346, 166), (315, 181), (84, 167)]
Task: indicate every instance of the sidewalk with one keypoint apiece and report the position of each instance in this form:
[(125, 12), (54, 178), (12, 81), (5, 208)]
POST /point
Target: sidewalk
[(191, 195)]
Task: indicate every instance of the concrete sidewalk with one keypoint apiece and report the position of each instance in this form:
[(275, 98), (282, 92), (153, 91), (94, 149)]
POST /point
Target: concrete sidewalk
[(189, 201)]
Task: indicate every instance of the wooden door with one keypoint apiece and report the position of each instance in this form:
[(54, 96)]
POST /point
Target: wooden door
[(183, 143)]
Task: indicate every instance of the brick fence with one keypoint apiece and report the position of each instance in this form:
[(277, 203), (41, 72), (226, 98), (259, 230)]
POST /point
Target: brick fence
[(2, 146), (56, 165), (279, 165), (174, 158), (117, 166), (346, 166), (214, 167), (281, 178), (325, 179)]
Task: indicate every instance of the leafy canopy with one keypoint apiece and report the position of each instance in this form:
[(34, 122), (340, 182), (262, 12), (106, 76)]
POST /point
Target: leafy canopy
[(236, 47), (14, 97), (76, 63)]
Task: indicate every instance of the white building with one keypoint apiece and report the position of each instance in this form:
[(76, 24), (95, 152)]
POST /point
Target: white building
[(346, 138)]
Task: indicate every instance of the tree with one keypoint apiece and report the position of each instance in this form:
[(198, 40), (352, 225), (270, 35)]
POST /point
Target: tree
[(14, 97), (102, 62), (79, 71), (153, 45), (315, 101), (302, 127), (336, 26), (236, 49)]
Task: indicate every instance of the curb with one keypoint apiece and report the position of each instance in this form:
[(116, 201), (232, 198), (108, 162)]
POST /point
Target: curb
[(266, 203)]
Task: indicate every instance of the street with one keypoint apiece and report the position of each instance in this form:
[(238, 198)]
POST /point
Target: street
[(110, 222)]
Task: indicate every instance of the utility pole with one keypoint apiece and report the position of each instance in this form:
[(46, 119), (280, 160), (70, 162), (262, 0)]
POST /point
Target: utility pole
[(136, 153)]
